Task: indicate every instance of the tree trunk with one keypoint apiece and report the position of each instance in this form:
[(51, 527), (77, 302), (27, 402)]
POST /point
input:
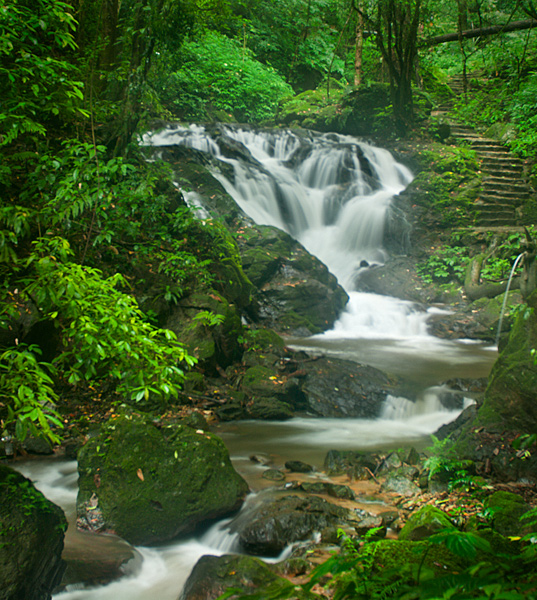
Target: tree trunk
[(359, 49), (475, 290)]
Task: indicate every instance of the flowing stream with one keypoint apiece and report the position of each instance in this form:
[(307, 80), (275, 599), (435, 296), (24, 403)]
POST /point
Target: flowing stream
[(332, 193)]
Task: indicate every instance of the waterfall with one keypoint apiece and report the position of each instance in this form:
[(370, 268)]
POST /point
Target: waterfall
[(330, 192)]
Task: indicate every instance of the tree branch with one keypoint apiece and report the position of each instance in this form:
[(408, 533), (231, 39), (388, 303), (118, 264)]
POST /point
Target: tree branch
[(481, 32)]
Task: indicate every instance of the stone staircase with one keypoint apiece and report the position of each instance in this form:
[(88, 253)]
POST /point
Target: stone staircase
[(504, 188)]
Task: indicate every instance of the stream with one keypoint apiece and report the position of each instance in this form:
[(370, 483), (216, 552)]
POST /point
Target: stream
[(332, 193)]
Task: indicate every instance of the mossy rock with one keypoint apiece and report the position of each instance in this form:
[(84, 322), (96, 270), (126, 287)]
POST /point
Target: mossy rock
[(31, 539), (261, 381), (212, 344), (212, 576), (507, 509), (269, 409), (152, 484), (366, 104), (425, 522), (509, 402)]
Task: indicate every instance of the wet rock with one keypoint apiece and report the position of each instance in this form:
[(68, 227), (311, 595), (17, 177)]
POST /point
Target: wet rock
[(273, 475), (392, 461), (340, 388), (454, 428), (355, 464), (40, 446), (400, 484), (31, 540), (413, 457), (97, 560), (388, 517), (297, 295), (297, 466), (371, 522), (425, 522), (261, 459), (152, 483), (233, 410), (330, 489), (214, 575), (269, 528), (269, 409)]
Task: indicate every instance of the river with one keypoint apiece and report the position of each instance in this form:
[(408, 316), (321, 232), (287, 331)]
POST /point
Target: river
[(332, 193)]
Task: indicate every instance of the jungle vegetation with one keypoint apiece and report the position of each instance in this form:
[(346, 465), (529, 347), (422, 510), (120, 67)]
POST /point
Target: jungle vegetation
[(82, 212)]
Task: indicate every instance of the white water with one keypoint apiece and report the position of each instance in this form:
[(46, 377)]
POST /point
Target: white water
[(334, 200), (326, 200)]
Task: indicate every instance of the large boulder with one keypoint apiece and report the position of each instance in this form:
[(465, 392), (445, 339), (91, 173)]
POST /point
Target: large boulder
[(150, 483), (510, 397), (297, 295), (341, 388), (213, 575), (31, 540), (267, 529)]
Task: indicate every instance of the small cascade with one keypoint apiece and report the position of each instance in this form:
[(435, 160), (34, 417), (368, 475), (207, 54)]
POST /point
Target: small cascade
[(434, 400)]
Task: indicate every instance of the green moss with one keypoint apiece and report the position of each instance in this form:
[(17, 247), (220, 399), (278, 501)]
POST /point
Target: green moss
[(510, 397), (153, 484), (506, 509), (261, 381), (425, 522)]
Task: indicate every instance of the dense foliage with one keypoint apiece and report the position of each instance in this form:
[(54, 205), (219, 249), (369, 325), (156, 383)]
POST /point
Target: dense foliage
[(85, 219), (219, 79)]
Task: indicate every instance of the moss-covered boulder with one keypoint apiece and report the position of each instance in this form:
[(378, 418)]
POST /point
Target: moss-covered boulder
[(296, 292), (214, 575), (426, 521), (510, 397), (31, 540), (393, 564), (506, 510), (153, 483), (210, 328)]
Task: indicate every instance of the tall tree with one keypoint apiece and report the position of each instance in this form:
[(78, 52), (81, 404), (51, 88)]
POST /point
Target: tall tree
[(396, 24)]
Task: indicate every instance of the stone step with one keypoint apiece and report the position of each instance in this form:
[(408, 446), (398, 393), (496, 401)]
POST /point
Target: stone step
[(500, 183), (493, 222), (487, 147), (502, 161), (495, 196), (502, 171), (496, 219), (506, 156), (467, 135)]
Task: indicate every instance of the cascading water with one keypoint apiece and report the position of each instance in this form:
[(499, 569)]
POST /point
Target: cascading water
[(332, 193)]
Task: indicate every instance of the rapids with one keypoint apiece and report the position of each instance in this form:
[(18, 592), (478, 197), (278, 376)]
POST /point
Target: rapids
[(332, 193)]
